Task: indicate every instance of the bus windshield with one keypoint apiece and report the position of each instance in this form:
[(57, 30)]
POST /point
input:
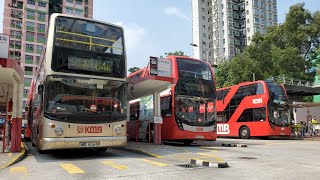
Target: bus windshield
[(278, 105), (195, 79), (86, 47), (277, 92), (195, 111), (84, 100), (194, 93)]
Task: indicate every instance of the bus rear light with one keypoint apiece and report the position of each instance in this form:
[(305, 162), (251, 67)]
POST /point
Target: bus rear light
[(59, 131), (52, 125)]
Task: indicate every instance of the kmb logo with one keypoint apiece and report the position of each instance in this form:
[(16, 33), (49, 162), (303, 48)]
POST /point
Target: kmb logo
[(223, 129), (89, 129)]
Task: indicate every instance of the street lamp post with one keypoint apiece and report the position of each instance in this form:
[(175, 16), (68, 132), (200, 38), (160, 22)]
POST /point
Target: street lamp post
[(207, 51)]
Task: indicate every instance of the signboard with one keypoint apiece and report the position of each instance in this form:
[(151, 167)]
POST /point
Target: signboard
[(153, 65), (157, 120), (164, 68), (89, 64), (160, 67), (4, 46)]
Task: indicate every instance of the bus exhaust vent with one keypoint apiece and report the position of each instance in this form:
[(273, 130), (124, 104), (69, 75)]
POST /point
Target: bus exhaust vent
[(189, 165), (248, 158)]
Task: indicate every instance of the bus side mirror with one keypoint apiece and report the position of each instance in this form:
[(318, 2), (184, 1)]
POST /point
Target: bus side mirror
[(40, 89)]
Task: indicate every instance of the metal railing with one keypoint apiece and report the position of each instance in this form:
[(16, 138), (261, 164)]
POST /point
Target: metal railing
[(292, 81)]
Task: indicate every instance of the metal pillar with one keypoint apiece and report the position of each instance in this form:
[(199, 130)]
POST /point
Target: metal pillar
[(157, 118)]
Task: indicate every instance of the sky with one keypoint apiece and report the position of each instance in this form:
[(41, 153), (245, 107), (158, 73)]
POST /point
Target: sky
[(155, 27)]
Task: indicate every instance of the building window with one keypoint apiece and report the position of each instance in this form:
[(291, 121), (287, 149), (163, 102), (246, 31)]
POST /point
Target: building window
[(30, 35), (69, 1), (41, 26), (29, 24), (26, 68), (78, 12), (41, 16), (31, 2), (257, 20), (41, 4), (30, 13), (86, 2), (28, 57), (30, 46), (40, 38), (79, 2), (69, 11)]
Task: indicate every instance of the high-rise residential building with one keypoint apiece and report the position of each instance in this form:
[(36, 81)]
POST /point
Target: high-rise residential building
[(222, 28), (26, 21)]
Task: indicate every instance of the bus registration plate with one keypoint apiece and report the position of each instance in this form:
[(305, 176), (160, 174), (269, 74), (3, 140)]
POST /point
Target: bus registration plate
[(199, 137), (89, 144)]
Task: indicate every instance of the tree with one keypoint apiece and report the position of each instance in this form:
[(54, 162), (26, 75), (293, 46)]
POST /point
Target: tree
[(176, 53), (133, 69), (285, 50)]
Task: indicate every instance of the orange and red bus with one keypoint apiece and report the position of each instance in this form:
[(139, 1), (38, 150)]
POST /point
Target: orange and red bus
[(188, 108), (253, 109)]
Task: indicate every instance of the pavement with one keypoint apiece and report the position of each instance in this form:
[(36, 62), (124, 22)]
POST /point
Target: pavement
[(8, 159), (261, 159)]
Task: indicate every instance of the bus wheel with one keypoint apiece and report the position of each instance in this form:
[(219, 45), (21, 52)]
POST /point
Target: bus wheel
[(102, 149), (42, 151), (244, 132), (187, 142)]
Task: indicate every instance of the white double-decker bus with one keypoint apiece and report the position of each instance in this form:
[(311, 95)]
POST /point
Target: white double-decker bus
[(79, 95)]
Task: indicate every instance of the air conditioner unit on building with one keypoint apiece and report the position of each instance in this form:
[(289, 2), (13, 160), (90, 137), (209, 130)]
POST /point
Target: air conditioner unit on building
[(15, 5)]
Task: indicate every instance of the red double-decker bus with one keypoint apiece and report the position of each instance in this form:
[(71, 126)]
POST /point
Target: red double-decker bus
[(253, 109), (188, 108)]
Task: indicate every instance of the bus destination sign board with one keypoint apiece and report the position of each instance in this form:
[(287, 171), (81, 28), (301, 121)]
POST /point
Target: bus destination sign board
[(89, 64)]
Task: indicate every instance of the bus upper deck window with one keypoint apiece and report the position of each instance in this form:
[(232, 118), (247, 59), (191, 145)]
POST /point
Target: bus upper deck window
[(90, 28)]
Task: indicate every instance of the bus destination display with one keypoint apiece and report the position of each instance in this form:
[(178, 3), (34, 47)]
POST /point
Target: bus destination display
[(89, 64)]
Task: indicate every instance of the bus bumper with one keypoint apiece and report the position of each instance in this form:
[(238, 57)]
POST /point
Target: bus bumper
[(74, 143)]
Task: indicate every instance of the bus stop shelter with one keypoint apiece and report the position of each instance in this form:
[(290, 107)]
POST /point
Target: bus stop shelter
[(152, 84), (11, 92)]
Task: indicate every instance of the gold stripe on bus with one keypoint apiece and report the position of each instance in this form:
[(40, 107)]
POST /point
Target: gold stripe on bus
[(88, 43), (71, 33)]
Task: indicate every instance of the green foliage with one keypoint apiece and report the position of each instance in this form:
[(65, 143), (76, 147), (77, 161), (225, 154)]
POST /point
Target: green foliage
[(176, 53), (285, 50), (133, 69)]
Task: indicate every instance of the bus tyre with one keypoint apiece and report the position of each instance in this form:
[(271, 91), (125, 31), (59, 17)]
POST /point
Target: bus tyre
[(187, 142), (244, 132)]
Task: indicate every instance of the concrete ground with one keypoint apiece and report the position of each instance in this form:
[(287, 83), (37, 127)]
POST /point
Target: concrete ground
[(262, 159)]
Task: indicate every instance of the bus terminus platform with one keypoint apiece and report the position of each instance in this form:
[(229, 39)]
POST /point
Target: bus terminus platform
[(157, 79), (11, 87)]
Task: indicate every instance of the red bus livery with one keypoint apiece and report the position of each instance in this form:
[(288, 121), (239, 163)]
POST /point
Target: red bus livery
[(188, 108), (250, 109)]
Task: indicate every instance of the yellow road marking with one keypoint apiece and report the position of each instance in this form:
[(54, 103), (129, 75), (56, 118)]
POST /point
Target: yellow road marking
[(19, 169), (72, 169), (212, 155), (155, 163), (113, 165), (151, 154)]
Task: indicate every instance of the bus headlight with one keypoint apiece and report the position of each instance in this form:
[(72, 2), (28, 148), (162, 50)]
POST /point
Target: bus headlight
[(58, 131), (117, 130)]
